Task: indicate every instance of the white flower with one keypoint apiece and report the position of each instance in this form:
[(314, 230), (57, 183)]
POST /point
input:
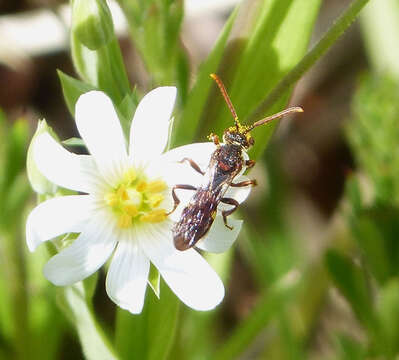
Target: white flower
[(123, 211)]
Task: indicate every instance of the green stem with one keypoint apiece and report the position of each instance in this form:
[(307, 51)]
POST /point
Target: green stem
[(328, 39)]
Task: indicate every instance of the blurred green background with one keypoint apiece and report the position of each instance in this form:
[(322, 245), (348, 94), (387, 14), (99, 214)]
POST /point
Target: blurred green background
[(314, 273)]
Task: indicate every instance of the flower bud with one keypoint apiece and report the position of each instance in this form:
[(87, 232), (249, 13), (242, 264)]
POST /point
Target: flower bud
[(39, 183), (92, 23)]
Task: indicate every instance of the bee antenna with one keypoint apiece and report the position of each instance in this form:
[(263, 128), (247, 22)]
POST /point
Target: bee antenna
[(226, 98), (291, 110)]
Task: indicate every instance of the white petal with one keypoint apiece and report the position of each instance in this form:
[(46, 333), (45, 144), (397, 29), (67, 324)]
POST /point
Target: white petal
[(168, 168), (99, 126), (71, 171), (237, 193), (84, 256), (127, 276), (220, 238), (199, 152), (150, 127), (174, 173), (186, 272), (55, 217)]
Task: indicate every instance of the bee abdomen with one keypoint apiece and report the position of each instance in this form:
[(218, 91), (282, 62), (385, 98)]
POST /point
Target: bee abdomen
[(193, 225)]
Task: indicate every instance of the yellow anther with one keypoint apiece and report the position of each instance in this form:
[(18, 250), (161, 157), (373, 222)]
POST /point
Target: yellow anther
[(155, 200), (124, 221), (154, 216), (156, 186), (136, 199), (141, 186), (130, 176), (130, 210), (121, 193), (111, 199)]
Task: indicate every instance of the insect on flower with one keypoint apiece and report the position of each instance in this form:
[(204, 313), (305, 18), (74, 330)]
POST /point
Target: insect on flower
[(227, 162)]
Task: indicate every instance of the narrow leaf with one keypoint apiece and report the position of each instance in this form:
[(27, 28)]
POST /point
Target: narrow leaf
[(187, 124), (149, 335), (72, 89), (350, 280), (95, 345), (276, 42)]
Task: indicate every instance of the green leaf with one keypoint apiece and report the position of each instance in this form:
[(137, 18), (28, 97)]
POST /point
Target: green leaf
[(187, 124), (126, 110), (373, 134), (73, 302), (388, 314), (150, 335), (353, 193), (329, 38), (74, 141), (15, 152), (349, 349), (18, 194), (380, 24), (72, 89), (128, 105), (350, 280), (277, 39), (269, 303), (45, 319), (375, 230), (154, 28)]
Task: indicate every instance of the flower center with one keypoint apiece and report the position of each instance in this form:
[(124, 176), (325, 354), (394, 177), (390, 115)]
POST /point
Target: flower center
[(136, 199)]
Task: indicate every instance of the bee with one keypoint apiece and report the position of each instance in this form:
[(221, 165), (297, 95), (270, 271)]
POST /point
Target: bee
[(227, 161)]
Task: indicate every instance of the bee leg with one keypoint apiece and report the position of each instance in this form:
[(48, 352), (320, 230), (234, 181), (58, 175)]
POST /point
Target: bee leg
[(245, 183), (226, 213), (175, 198), (250, 163), (193, 164)]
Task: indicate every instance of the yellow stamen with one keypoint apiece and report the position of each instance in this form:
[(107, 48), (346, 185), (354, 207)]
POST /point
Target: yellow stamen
[(154, 216), (156, 186), (136, 199), (141, 186), (124, 221), (111, 199), (130, 210), (155, 200), (121, 193), (130, 176)]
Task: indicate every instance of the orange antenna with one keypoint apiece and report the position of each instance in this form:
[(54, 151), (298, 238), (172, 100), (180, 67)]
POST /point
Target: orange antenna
[(226, 97), (280, 114)]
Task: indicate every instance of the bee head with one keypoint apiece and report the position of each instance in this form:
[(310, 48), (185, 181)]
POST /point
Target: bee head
[(238, 135)]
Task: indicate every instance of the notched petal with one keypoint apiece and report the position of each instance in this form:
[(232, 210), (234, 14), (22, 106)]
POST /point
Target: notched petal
[(150, 126)]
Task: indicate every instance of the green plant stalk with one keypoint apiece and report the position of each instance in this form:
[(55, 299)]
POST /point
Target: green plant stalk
[(328, 39)]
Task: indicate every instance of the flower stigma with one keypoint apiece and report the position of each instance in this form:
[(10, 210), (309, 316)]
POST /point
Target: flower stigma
[(136, 199)]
